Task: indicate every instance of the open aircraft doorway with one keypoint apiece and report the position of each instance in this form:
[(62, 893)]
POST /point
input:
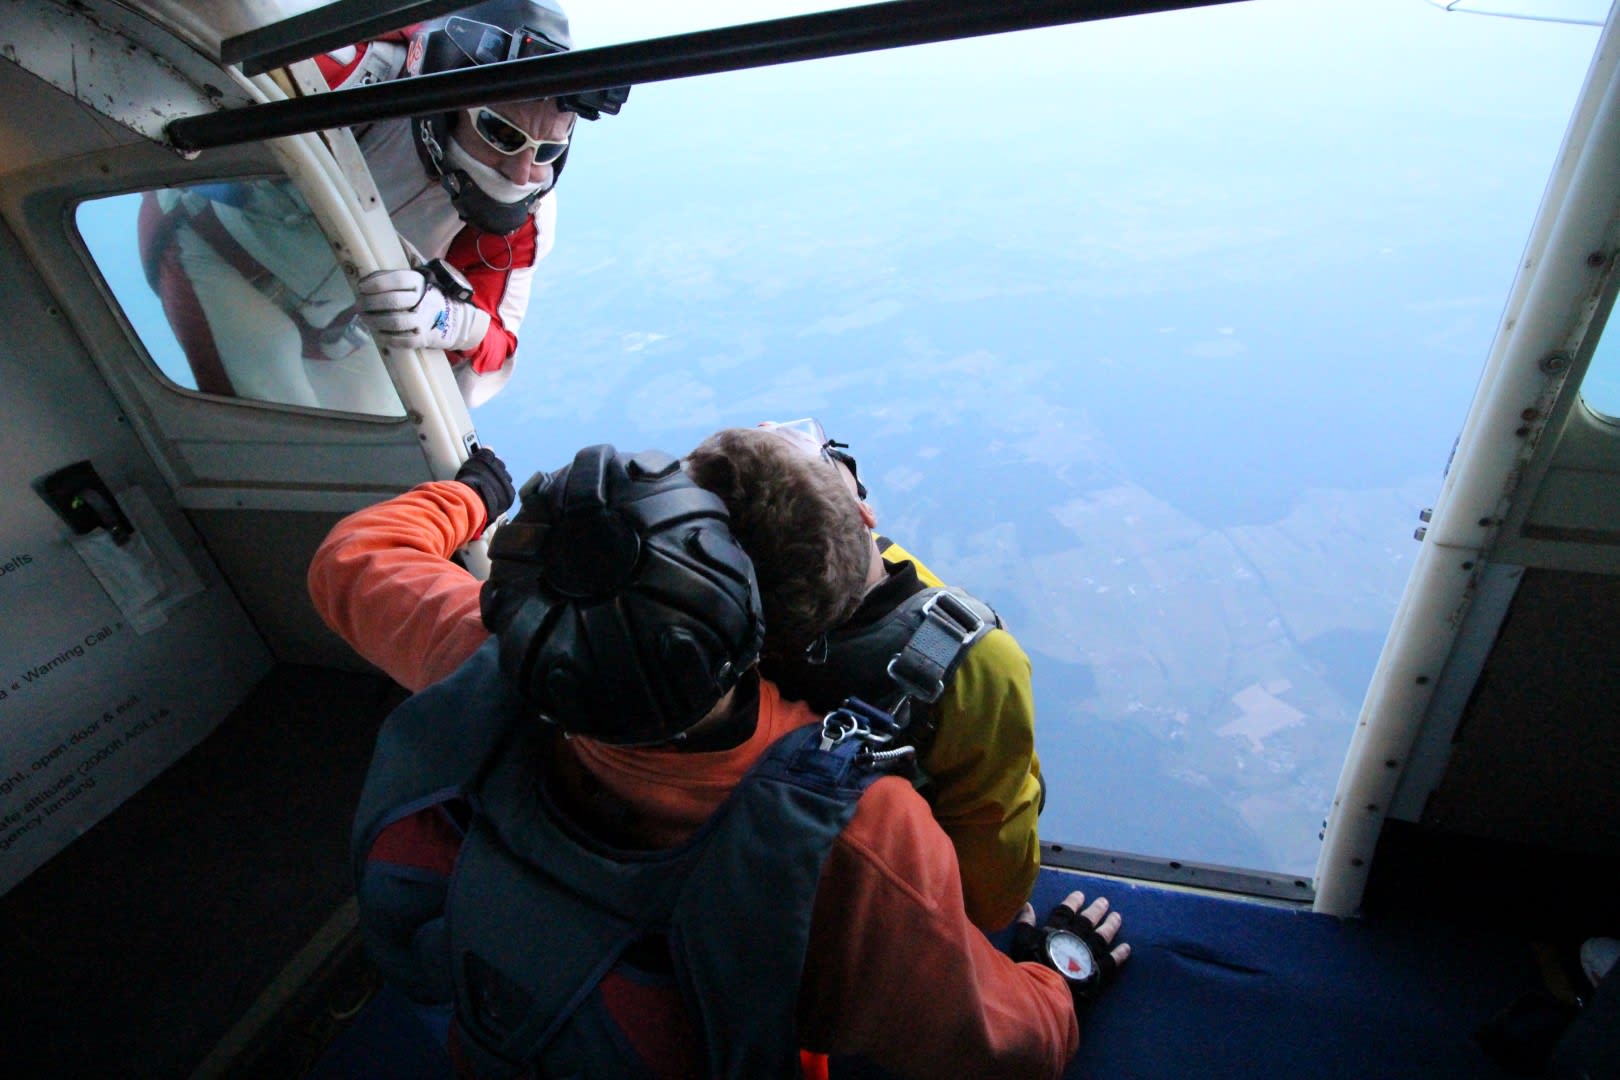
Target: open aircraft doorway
[(1157, 333), (1178, 416)]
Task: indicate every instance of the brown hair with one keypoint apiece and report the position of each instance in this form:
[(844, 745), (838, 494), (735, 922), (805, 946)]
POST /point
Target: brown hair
[(799, 525)]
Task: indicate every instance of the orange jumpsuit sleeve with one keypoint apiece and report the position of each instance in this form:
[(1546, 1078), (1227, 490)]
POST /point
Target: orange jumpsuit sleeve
[(383, 580), (898, 972)]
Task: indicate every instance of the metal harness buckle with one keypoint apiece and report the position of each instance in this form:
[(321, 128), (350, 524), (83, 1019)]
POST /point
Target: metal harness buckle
[(946, 611), (949, 612), (909, 687), (865, 724)]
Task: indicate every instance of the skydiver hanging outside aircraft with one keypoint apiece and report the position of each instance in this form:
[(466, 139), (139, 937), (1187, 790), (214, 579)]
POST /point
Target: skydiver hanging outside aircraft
[(824, 914), (910, 639), (471, 193)]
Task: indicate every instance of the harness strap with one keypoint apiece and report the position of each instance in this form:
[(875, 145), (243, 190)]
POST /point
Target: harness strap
[(433, 746), (540, 916), (900, 651), (929, 657)]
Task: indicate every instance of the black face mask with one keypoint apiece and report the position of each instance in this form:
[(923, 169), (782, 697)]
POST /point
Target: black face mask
[(479, 210), (474, 205)]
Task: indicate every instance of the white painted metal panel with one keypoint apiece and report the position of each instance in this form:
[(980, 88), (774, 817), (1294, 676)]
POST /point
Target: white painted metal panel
[(102, 684)]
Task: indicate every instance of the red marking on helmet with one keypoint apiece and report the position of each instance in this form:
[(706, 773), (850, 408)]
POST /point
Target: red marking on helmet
[(413, 57)]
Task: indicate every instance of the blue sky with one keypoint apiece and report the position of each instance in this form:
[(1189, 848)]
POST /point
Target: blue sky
[(1297, 202)]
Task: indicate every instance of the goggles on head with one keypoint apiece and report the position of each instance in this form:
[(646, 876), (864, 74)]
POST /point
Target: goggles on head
[(810, 432), (506, 138), (466, 41), (480, 42)]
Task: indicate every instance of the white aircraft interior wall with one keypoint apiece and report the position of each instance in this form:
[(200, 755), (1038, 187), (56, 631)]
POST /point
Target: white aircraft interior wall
[(1534, 759), (115, 659), (274, 589)]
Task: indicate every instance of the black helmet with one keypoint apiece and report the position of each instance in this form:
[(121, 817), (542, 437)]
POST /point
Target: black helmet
[(624, 607), (490, 33)]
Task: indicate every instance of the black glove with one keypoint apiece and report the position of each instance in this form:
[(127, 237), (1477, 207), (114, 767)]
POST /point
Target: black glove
[(1030, 943), (486, 474)]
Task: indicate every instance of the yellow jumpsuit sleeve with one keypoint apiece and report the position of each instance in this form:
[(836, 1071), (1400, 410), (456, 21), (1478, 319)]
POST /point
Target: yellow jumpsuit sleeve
[(985, 779)]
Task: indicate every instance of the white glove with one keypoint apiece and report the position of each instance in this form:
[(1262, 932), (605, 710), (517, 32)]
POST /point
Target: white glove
[(404, 310)]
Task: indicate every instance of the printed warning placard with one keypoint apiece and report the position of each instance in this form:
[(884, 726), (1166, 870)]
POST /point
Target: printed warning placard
[(92, 707)]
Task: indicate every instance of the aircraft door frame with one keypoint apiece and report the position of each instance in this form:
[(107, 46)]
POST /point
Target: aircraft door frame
[(262, 482), (222, 453)]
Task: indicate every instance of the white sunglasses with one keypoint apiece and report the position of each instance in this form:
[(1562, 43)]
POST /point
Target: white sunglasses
[(505, 137)]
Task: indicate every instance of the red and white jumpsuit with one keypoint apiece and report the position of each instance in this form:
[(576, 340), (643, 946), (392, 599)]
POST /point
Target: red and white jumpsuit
[(221, 268)]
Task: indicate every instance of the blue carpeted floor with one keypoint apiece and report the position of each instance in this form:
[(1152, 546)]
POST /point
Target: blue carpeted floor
[(1215, 989), (1226, 989)]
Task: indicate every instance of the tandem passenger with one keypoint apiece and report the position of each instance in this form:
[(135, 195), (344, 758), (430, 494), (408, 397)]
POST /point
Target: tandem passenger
[(911, 645), (715, 879)]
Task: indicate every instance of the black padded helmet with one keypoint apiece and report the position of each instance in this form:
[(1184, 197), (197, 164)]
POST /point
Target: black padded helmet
[(624, 607), (491, 33)]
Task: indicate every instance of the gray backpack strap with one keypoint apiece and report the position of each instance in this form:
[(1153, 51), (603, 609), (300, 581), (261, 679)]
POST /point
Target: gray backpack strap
[(744, 929), (432, 746), (951, 622), (429, 752), (904, 657)]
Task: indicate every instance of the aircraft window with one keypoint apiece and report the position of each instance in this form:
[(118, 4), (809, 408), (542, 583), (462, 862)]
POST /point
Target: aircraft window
[(234, 290), (1600, 389), (1154, 333)]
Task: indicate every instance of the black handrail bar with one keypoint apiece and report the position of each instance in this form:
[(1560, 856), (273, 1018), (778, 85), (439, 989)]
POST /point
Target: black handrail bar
[(325, 28), (823, 34)]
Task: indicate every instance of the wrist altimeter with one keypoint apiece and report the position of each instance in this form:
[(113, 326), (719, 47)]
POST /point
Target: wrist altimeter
[(450, 281), (1070, 945), (1072, 957)]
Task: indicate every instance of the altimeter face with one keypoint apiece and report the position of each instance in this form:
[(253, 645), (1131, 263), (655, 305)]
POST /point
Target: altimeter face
[(1070, 956)]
